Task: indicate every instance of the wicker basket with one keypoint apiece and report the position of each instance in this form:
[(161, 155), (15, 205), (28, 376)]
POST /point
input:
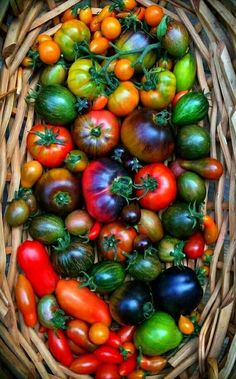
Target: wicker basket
[(211, 25)]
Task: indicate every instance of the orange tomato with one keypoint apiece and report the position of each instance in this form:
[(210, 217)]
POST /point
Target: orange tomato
[(111, 28), (97, 34), (128, 349), (206, 258), (27, 62), (25, 299), (85, 15), (69, 14), (211, 231), (185, 325), (94, 25), (129, 4), (99, 45), (49, 52), (30, 173), (99, 333), (178, 96), (124, 99), (105, 12), (99, 103), (123, 69), (136, 374), (153, 15), (43, 38)]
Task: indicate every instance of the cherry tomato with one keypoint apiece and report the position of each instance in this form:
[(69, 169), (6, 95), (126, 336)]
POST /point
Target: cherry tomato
[(123, 69), (124, 99), (108, 354), (153, 364), (140, 13), (107, 371), (128, 365), (128, 349), (126, 333), (111, 28), (136, 374), (95, 25), (85, 15), (211, 231), (94, 231), (129, 4), (153, 15), (85, 364), (206, 258), (69, 14), (31, 171), (78, 332), (27, 62), (99, 45), (76, 161), (105, 12), (59, 347), (17, 212), (194, 246), (97, 34), (99, 103), (185, 325), (43, 38), (99, 333), (113, 340), (178, 96), (49, 52), (26, 302), (75, 348)]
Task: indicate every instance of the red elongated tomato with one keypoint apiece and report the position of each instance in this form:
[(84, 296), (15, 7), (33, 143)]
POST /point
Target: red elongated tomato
[(25, 299), (59, 347)]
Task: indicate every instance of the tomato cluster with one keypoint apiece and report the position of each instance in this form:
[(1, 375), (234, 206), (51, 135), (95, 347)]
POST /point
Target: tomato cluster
[(104, 205)]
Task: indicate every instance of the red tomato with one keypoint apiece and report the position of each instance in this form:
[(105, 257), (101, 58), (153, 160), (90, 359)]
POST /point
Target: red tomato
[(107, 371), (26, 302), (128, 366), (49, 144), (99, 103), (85, 364), (78, 332), (95, 231), (153, 364), (81, 303), (178, 96), (75, 348), (59, 347), (108, 354), (116, 239), (159, 186), (113, 340), (194, 247), (33, 259), (126, 333)]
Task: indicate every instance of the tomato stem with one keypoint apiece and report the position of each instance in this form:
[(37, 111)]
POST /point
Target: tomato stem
[(59, 320), (48, 137), (62, 198)]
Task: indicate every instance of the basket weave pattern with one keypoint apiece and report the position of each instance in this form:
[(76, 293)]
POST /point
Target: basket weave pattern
[(212, 28)]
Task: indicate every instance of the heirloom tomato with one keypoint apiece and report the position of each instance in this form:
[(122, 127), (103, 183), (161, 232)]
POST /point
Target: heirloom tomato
[(49, 52), (78, 222), (54, 74), (78, 332), (116, 239), (150, 225), (157, 186), (96, 132), (70, 33), (76, 161), (174, 37), (194, 246), (31, 171), (49, 144), (185, 72), (17, 212), (124, 99), (153, 15), (82, 78), (100, 182)]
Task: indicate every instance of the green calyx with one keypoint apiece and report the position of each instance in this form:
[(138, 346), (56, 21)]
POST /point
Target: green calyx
[(62, 198), (62, 243), (178, 253), (72, 158), (122, 186), (59, 320), (162, 118), (48, 137), (81, 104), (148, 184), (33, 94), (88, 282), (96, 132), (22, 193), (200, 272), (110, 243), (162, 27), (194, 214)]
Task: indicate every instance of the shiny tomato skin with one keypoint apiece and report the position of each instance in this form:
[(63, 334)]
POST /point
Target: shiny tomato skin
[(85, 364), (152, 364), (124, 99), (49, 52), (96, 132), (99, 333), (126, 333), (166, 190), (80, 302), (49, 144), (77, 331), (97, 179), (59, 347), (122, 237), (107, 371), (25, 299), (194, 246), (108, 354)]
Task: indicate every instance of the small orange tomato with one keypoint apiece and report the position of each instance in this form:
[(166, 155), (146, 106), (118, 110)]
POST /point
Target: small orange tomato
[(153, 15), (99, 45), (99, 333), (123, 69), (95, 25), (211, 231), (49, 52), (69, 14), (152, 364), (25, 299), (76, 161), (111, 66), (111, 27), (128, 349), (178, 96), (27, 62), (97, 34), (105, 12), (140, 13), (85, 15), (43, 38), (205, 270), (185, 325), (30, 173), (136, 374), (129, 4), (99, 103), (206, 258)]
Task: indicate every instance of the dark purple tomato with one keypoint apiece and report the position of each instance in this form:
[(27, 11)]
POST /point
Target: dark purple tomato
[(131, 213), (142, 243)]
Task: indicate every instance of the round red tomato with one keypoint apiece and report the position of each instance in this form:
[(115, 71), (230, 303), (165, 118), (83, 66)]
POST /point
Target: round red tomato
[(156, 186), (97, 132), (49, 144), (116, 239), (194, 246), (107, 371)]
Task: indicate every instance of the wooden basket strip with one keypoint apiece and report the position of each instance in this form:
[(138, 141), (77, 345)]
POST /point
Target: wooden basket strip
[(11, 37), (46, 355), (10, 321), (215, 81), (189, 361), (202, 338), (196, 38), (3, 9), (53, 13), (180, 4), (214, 295), (224, 146), (201, 73), (227, 265), (23, 50), (228, 70), (53, 30), (3, 311), (19, 83), (28, 126), (221, 330), (9, 103), (219, 196), (231, 358), (73, 375), (212, 329), (52, 5), (188, 348), (232, 123), (212, 368), (2, 249), (224, 13), (217, 251), (14, 7), (147, 3)]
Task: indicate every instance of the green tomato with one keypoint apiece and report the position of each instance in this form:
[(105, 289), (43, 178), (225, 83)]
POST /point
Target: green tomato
[(54, 74), (165, 247), (49, 313), (193, 142), (17, 212), (158, 334), (185, 72), (191, 187)]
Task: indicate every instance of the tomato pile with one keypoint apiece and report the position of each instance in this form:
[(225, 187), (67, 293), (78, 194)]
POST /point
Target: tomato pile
[(114, 191)]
